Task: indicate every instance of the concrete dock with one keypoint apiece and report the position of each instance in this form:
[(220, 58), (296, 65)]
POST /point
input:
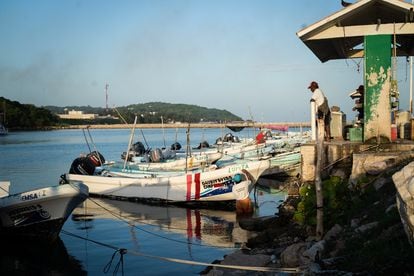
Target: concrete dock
[(354, 154)]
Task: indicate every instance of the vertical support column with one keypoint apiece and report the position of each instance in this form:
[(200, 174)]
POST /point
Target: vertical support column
[(313, 120), (377, 81)]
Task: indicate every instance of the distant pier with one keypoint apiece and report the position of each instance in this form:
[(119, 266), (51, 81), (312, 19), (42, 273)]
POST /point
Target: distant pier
[(197, 125)]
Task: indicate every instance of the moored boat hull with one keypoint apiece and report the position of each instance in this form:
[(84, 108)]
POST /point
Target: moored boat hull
[(232, 182), (41, 213)]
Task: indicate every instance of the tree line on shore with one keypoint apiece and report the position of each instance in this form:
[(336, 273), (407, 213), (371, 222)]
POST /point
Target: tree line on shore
[(27, 116)]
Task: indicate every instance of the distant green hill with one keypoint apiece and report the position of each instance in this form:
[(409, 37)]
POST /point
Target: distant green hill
[(28, 116), (153, 111), (25, 116)]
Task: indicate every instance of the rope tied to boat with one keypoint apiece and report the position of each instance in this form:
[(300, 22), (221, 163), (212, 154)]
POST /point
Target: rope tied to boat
[(123, 251), (120, 263)]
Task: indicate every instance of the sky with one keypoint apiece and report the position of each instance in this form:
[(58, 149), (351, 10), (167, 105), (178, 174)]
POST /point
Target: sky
[(239, 55)]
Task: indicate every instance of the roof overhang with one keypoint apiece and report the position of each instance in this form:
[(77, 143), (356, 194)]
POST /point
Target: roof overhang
[(341, 35)]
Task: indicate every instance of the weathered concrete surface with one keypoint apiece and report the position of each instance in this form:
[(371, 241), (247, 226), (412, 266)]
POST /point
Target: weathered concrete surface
[(376, 163), (404, 182), (346, 151), (308, 153), (334, 151)]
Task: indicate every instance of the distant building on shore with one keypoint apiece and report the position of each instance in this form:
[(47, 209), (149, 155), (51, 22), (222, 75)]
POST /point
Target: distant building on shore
[(79, 115)]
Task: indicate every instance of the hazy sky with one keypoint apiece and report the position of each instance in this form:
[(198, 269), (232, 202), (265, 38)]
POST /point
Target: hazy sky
[(239, 55)]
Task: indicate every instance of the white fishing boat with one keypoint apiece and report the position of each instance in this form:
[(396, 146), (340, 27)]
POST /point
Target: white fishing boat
[(287, 162), (248, 151), (38, 214), (265, 145), (233, 182), (94, 163), (143, 158), (231, 153), (178, 163)]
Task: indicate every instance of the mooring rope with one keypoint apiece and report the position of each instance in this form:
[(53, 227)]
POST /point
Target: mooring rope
[(120, 262), (123, 251)]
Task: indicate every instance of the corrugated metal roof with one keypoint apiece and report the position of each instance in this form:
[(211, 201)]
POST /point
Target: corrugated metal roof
[(340, 35)]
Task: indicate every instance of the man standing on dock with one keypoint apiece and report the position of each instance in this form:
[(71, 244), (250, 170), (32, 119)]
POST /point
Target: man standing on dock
[(322, 106)]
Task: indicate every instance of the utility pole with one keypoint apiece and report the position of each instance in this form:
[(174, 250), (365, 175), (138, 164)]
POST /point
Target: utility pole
[(106, 96)]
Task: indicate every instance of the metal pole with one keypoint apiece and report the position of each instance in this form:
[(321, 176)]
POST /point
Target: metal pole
[(131, 137), (163, 131), (106, 96)]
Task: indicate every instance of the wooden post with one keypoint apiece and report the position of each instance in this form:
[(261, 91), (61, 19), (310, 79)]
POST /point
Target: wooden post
[(318, 179)]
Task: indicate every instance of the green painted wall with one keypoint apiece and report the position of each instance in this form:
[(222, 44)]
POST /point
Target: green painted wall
[(377, 81)]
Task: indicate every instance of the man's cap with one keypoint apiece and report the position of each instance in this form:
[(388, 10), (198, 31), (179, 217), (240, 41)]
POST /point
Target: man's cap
[(313, 84)]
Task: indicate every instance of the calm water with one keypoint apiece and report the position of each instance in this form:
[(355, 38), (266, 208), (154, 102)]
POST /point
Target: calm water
[(96, 229)]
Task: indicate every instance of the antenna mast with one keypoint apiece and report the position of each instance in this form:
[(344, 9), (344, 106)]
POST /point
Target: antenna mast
[(106, 96)]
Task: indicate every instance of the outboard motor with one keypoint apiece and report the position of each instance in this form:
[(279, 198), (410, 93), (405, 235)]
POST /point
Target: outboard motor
[(138, 148), (96, 158), (86, 165), (156, 155), (236, 139), (228, 137), (219, 141), (176, 146), (82, 165), (203, 145)]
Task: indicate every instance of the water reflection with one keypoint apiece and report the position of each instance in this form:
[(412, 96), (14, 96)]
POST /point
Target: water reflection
[(212, 227), (33, 258)]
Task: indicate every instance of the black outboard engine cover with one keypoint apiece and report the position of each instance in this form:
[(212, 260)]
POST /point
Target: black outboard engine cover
[(236, 139), (176, 146), (228, 137), (139, 148), (82, 165), (203, 145), (86, 165)]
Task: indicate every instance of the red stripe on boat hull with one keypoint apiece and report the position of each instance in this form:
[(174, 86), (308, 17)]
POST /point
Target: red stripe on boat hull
[(197, 186), (189, 184)]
